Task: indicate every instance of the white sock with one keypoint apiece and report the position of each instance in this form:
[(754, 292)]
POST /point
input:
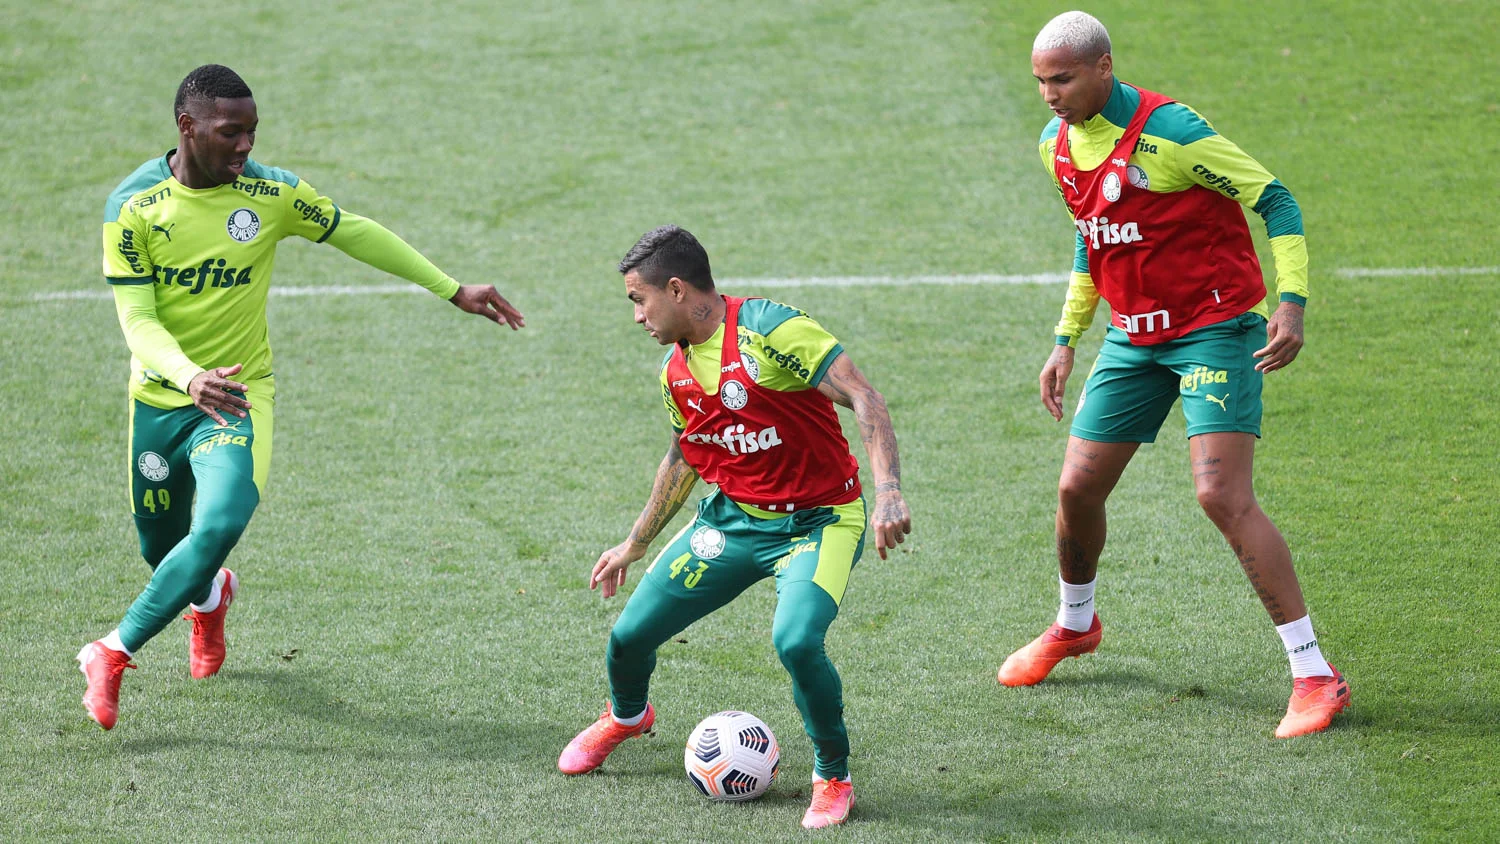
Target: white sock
[(215, 592), (1302, 649), (629, 722), (1077, 610), (112, 641)]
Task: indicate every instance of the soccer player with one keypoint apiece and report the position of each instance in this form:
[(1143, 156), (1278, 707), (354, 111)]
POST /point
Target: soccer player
[(1155, 194), (189, 241), (750, 387)]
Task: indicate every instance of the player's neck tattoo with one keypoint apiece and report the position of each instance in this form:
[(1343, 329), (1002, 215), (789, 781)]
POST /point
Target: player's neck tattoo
[(705, 317)]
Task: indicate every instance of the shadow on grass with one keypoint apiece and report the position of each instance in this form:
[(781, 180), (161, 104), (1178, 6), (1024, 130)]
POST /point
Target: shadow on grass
[(1124, 679), (1373, 711), (1051, 814), (1470, 719), (418, 732), (1134, 687)]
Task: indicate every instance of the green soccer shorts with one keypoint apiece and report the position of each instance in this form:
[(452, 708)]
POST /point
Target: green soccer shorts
[(1131, 388), (729, 547), (165, 443)]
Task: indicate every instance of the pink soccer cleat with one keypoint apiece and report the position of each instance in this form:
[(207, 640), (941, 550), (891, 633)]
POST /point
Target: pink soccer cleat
[(1031, 664), (589, 748), (103, 667), (1314, 702), (206, 646), (831, 803)]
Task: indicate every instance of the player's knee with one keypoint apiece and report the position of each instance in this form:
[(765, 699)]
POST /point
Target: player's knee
[(627, 645), (216, 538), (154, 549), (159, 536), (217, 529), (1076, 491), (798, 646), (1225, 507)]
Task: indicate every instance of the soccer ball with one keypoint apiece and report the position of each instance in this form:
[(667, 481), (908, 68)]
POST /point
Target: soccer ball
[(732, 756)]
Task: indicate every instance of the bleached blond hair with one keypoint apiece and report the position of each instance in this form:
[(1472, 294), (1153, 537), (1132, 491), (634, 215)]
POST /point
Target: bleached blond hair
[(1079, 31)]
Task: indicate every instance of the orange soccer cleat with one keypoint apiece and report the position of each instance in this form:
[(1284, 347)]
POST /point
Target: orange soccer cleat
[(589, 748), (1314, 702), (206, 645), (103, 668), (1031, 664), (831, 803)]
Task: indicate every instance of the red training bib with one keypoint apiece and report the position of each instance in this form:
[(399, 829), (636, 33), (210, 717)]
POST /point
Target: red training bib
[(1166, 263), (779, 451)]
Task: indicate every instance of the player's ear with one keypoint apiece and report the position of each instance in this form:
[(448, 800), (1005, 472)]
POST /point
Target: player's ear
[(185, 122), (677, 287), (1106, 65)]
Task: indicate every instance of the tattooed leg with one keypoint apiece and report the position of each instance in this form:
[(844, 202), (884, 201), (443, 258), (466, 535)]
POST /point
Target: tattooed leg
[(1222, 464), (1090, 472)]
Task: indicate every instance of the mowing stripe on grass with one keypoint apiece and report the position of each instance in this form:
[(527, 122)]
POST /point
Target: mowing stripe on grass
[(815, 281)]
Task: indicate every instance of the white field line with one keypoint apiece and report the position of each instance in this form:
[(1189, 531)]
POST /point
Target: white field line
[(1407, 272), (331, 290), (813, 281), (896, 280)]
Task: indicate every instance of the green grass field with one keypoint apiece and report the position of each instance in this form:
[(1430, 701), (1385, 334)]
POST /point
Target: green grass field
[(415, 642)]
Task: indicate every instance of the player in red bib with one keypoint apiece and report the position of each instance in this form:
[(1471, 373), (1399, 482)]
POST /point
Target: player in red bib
[(750, 387), (1156, 196)]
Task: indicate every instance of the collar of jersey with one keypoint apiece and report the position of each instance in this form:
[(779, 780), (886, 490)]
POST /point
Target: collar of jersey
[(709, 345), (1118, 109), (166, 169)]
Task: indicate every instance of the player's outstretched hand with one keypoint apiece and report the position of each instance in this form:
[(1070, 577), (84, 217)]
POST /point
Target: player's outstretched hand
[(209, 392), (1283, 338), (486, 301), (609, 572), (891, 520), (1055, 379)]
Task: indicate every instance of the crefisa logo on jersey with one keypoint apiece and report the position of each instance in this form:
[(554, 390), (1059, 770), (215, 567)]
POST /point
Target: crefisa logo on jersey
[(312, 212), (736, 439), (1099, 230), (788, 361), (1223, 184), (129, 252), (733, 394), (748, 363), (153, 466), (1111, 187), (255, 188), (243, 225), (707, 542)]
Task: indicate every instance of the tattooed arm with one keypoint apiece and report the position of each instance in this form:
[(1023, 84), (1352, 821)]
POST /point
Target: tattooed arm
[(846, 385), (674, 482)]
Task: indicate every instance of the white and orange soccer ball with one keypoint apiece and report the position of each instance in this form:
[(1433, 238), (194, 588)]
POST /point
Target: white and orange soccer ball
[(732, 756)]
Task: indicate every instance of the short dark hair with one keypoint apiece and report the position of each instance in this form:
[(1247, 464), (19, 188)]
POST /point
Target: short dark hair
[(666, 252), (208, 83)]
